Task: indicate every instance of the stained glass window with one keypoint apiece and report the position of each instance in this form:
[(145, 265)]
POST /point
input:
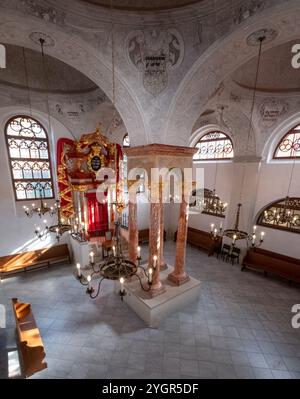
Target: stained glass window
[(126, 141), (289, 145), (28, 152), (214, 146)]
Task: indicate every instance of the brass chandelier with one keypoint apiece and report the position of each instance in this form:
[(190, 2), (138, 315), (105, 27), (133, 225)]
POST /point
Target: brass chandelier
[(41, 209), (58, 229), (212, 204)]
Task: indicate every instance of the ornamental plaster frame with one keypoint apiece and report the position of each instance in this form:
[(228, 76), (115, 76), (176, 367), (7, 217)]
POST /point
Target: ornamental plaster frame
[(219, 61), (72, 49)]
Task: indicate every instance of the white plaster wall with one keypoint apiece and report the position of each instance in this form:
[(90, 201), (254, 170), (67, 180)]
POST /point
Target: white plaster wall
[(223, 189), (264, 183), (273, 185), (16, 230)]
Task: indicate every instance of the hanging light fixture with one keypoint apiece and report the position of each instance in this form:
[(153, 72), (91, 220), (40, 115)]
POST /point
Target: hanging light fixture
[(42, 208), (60, 227), (212, 203), (208, 201), (235, 233), (115, 267)]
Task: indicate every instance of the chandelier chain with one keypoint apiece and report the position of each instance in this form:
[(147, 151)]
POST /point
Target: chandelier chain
[(113, 54), (27, 82), (261, 39), (292, 173)]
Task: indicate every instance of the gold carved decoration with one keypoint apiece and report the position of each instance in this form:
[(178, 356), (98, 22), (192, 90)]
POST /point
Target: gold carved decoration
[(96, 159)]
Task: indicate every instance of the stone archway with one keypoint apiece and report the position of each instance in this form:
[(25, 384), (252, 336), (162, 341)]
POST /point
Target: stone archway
[(72, 49)]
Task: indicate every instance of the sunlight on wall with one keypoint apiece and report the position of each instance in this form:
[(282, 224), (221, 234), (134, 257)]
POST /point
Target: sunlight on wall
[(2, 317), (34, 244)]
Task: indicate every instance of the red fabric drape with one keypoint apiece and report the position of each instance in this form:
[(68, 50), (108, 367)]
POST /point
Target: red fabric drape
[(97, 215)]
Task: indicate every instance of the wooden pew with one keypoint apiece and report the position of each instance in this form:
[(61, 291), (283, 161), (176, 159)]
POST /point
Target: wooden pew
[(272, 262), (202, 239), (34, 259), (144, 236), (29, 339)]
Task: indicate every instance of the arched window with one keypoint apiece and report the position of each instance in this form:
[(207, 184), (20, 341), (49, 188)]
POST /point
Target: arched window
[(215, 146), (283, 214), (289, 145), (126, 141), (28, 152)]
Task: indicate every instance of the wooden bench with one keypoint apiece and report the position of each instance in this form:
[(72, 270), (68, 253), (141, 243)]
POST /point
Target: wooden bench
[(144, 236), (29, 339), (33, 259), (202, 239), (278, 264)]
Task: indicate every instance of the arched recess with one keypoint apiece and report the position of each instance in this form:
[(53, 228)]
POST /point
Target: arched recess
[(219, 61), (72, 49), (278, 133), (202, 131), (55, 130)]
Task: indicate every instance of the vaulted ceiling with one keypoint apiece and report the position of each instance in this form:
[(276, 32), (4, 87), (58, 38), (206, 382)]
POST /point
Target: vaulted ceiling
[(142, 5), (61, 78), (276, 73)]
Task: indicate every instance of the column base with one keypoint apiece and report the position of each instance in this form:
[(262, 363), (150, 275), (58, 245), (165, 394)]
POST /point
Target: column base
[(178, 280), (155, 291), (163, 266)]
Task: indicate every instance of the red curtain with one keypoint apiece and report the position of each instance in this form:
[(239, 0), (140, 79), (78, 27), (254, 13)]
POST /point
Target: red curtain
[(97, 215)]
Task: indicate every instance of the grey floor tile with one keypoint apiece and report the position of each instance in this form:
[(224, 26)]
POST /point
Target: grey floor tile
[(189, 367), (238, 328), (244, 372), (292, 363), (263, 374)]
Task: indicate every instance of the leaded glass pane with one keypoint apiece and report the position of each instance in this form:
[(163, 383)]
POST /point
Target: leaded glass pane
[(289, 146), (214, 146), (30, 164)]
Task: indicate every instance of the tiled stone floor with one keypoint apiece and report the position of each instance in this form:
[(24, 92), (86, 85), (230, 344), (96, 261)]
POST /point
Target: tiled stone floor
[(239, 328)]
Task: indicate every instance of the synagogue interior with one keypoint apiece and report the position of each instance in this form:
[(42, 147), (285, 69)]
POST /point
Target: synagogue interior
[(149, 191)]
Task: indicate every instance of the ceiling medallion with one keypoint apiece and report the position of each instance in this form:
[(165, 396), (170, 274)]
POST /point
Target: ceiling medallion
[(268, 33), (36, 36)]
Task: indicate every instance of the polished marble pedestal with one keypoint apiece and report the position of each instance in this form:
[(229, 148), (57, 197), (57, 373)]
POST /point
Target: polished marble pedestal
[(156, 309)]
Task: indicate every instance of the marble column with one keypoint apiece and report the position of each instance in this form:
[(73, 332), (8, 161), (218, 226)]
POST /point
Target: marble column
[(163, 264), (155, 245), (133, 231), (179, 275)]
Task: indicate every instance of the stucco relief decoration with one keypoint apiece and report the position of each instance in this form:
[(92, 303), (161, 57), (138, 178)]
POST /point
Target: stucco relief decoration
[(154, 53), (246, 10), (271, 109), (72, 110), (48, 14)]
